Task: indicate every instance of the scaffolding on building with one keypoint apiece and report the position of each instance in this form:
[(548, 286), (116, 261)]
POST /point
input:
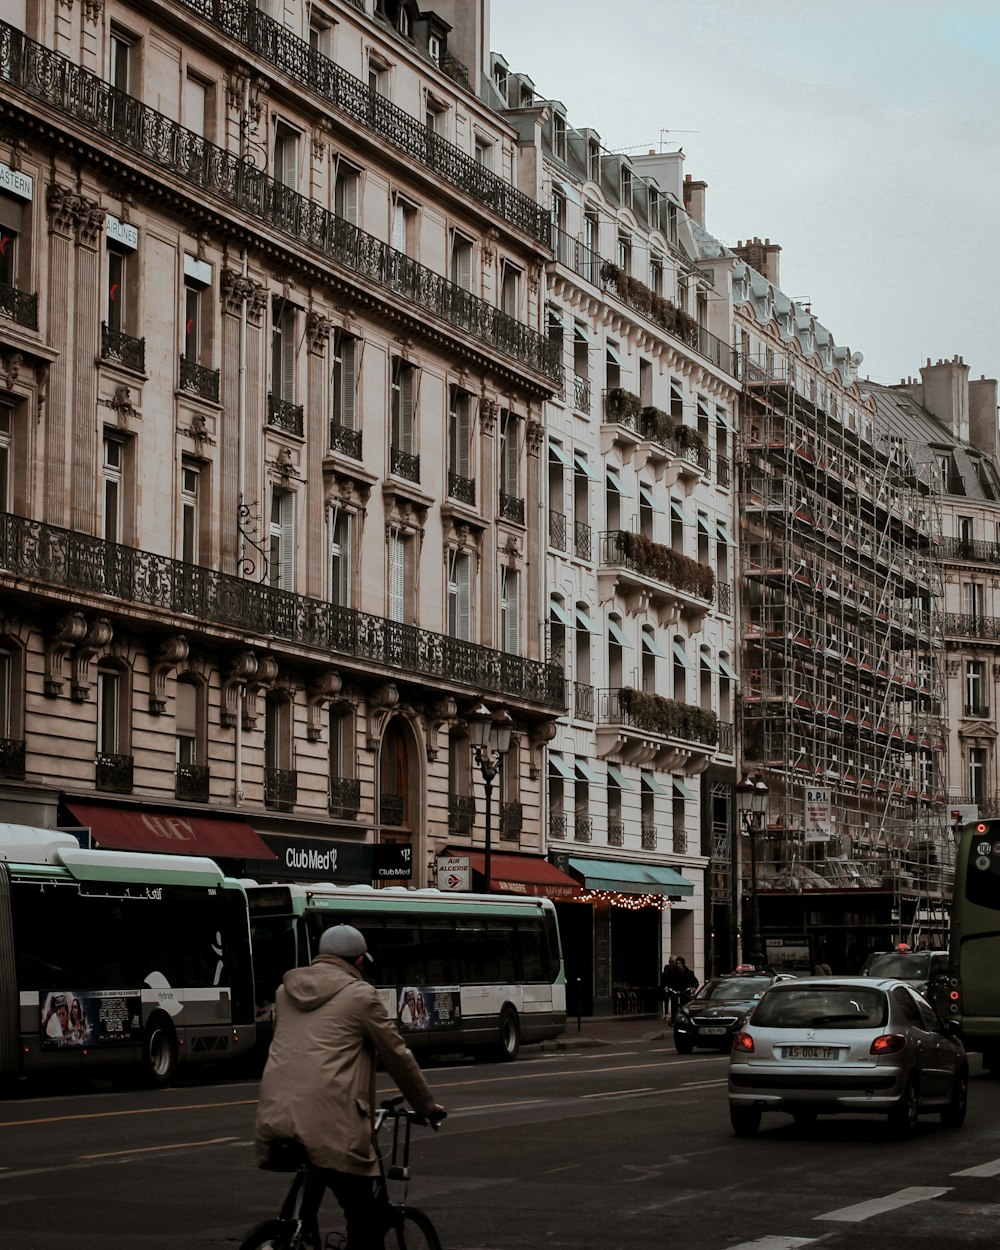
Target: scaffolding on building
[(843, 661)]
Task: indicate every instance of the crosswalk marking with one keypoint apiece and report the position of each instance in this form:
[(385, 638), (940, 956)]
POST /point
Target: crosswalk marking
[(891, 1202)]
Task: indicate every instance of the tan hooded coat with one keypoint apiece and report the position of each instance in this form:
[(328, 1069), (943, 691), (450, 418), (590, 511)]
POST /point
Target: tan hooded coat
[(319, 1083)]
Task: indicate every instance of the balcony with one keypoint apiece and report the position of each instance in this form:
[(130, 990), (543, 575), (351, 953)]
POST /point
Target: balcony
[(648, 835), (19, 306), (281, 788), (404, 464), (976, 550), (643, 728), (461, 813), (648, 575), (678, 447), (583, 828), (276, 44), (680, 842), (282, 414), (345, 440), (981, 711), (344, 797), (512, 508), (511, 821), (113, 773), (583, 540), (462, 488), (122, 348), (583, 701), (50, 562), (199, 380), (12, 758), (557, 825), (616, 833), (581, 394), (202, 170), (970, 625), (191, 783)]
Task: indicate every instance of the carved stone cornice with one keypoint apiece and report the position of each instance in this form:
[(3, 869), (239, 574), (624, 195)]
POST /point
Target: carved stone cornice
[(318, 328), (92, 10), (236, 289), (171, 652), (324, 689)]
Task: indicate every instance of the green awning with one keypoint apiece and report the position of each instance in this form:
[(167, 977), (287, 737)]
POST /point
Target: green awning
[(624, 878)]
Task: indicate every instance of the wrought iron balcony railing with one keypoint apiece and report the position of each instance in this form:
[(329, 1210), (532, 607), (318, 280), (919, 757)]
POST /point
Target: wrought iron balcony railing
[(125, 348), (583, 540), (201, 168), (191, 783), (20, 306), (623, 549), (282, 414), (680, 842), (113, 773), (346, 440), (557, 530), (654, 713), (345, 797), (648, 837), (12, 758), (970, 625), (404, 464), (511, 821), (461, 813), (512, 508), (975, 549), (281, 788), (583, 828), (557, 824), (727, 736), (616, 833), (581, 394), (583, 700), (62, 560), (349, 95), (462, 488), (199, 379)]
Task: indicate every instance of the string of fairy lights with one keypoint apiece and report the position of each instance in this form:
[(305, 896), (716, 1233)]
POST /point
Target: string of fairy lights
[(626, 902)]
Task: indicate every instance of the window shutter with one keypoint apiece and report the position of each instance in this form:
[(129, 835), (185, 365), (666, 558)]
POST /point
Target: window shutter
[(397, 578), (286, 549), (406, 399), (288, 354), (348, 183), (509, 611), (398, 226), (348, 385)]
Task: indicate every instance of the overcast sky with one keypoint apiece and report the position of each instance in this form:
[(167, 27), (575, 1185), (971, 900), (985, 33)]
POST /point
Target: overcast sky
[(860, 135)]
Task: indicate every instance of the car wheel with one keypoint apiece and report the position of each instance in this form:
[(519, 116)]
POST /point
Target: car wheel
[(903, 1117), (953, 1116), (745, 1120), (683, 1045)]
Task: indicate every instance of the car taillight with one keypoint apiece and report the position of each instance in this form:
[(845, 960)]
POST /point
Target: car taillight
[(888, 1044), (743, 1044)]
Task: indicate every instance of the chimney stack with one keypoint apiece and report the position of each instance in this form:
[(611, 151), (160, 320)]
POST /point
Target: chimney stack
[(983, 415), (761, 256), (694, 198), (945, 388)]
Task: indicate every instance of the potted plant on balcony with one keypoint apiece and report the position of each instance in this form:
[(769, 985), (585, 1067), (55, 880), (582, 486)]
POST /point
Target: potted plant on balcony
[(622, 406), (656, 425)]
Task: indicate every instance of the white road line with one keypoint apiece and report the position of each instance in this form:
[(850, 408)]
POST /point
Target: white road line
[(621, 1093), (775, 1243), (891, 1202), (984, 1169)]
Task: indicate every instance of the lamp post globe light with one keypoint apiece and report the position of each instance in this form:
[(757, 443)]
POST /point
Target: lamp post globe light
[(751, 799), (489, 738)]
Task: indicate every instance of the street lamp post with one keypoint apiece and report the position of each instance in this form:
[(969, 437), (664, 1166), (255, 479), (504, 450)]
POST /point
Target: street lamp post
[(489, 737), (751, 796)]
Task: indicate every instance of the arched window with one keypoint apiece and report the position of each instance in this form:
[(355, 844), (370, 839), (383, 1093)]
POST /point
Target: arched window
[(394, 777)]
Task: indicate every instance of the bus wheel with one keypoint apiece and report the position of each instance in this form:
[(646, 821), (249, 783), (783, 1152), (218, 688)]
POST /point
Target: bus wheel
[(510, 1036), (160, 1050)]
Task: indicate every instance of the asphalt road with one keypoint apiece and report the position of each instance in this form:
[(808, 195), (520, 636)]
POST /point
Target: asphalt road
[(615, 1147)]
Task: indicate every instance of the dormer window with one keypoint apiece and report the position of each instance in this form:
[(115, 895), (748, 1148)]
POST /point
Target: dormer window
[(404, 22), (434, 49), (559, 136), (626, 186)]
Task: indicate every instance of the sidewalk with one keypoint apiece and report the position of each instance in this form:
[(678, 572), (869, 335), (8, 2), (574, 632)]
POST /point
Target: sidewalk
[(609, 1031)]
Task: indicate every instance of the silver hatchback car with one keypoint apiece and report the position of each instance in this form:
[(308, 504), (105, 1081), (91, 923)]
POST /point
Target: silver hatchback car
[(829, 1045)]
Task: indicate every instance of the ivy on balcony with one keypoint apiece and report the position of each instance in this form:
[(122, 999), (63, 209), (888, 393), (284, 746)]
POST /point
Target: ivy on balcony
[(656, 307), (659, 562), (668, 717)]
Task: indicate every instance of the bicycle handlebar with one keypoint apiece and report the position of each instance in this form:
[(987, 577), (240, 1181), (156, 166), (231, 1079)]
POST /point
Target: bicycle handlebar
[(392, 1108)]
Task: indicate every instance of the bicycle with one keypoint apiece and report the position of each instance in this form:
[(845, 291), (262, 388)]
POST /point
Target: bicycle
[(297, 1225)]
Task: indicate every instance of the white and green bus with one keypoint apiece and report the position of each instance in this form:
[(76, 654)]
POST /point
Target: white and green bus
[(974, 944), (477, 973), (117, 959)]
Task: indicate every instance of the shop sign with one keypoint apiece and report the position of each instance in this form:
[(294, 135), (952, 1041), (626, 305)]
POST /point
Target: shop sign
[(121, 232), (454, 872), (393, 861), (317, 859), (14, 182)]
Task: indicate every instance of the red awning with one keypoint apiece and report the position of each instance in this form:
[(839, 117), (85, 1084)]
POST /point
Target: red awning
[(524, 874), (170, 833)]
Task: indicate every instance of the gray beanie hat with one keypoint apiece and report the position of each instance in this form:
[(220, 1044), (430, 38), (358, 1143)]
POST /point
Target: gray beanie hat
[(344, 941)]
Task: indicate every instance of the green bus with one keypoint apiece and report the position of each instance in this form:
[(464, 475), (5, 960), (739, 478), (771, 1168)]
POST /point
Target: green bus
[(478, 973), (112, 960), (974, 996)]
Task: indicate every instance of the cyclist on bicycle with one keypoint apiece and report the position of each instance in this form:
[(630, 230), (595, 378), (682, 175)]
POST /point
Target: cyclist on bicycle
[(318, 1087)]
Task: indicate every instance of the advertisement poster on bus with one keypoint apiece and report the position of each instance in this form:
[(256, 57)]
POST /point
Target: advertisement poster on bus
[(428, 1007), (90, 1017)]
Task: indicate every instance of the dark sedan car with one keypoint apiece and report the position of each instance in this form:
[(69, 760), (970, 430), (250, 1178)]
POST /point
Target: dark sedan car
[(926, 971), (719, 1010)]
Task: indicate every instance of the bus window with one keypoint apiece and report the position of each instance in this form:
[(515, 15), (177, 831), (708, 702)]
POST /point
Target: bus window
[(534, 952), (399, 958), (274, 952), (438, 940), (501, 961)]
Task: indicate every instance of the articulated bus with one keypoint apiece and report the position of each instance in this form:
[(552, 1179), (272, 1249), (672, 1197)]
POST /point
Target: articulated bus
[(457, 972), (975, 940), (115, 959)]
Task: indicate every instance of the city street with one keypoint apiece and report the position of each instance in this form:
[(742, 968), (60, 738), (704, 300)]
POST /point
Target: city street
[(617, 1145)]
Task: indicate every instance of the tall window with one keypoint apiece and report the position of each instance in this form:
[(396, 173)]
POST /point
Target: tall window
[(347, 192), (510, 287), (509, 469), (190, 512), (510, 611), (461, 261), (122, 62), (6, 458), (976, 703), (341, 556), (283, 351), (343, 387), (118, 311), (196, 96), (977, 760), (193, 303), (112, 715), (189, 751), (460, 595), (973, 598), (403, 400), (285, 166), (11, 231), (404, 226), (281, 533), (113, 489), (400, 576), (11, 701), (460, 484)]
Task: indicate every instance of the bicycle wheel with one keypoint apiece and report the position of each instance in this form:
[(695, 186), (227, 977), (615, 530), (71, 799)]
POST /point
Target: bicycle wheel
[(413, 1231)]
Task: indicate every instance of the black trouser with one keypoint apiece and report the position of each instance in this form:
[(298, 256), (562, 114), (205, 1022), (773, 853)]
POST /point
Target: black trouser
[(364, 1210)]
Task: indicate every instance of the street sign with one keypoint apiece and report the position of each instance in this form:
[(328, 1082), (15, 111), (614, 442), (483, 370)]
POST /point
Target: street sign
[(454, 872)]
